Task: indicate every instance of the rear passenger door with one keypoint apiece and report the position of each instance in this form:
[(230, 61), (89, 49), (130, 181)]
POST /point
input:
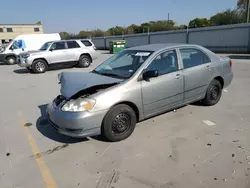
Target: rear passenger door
[(197, 72), (72, 50)]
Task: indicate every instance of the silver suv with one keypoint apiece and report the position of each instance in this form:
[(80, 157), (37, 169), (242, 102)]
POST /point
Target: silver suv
[(79, 53)]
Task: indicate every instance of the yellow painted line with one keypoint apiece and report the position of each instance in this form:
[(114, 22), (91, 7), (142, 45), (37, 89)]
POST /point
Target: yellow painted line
[(45, 172)]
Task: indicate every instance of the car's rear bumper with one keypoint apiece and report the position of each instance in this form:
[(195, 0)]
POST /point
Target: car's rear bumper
[(75, 124), (228, 78)]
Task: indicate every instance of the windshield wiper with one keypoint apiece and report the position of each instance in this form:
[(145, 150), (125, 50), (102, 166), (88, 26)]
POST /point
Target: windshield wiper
[(109, 74)]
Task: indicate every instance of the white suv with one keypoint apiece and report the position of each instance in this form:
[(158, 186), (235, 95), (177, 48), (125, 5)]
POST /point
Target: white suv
[(79, 53)]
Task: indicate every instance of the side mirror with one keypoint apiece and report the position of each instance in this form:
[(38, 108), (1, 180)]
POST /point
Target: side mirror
[(150, 74), (51, 49), (11, 47)]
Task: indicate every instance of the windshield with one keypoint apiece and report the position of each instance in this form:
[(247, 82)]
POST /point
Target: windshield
[(45, 46), (123, 64), (17, 44)]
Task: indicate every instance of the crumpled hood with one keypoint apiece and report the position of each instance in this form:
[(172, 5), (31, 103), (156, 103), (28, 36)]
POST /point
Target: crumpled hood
[(33, 52), (74, 82)]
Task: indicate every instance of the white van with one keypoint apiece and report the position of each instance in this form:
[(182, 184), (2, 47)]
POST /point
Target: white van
[(24, 43)]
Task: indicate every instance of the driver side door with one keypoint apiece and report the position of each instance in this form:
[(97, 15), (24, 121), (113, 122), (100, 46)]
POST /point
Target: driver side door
[(164, 92), (58, 53)]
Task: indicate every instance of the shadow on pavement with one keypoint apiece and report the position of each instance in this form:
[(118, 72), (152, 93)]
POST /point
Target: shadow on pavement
[(25, 71), (47, 130), (22, 71), (198, 103), (100, 138)]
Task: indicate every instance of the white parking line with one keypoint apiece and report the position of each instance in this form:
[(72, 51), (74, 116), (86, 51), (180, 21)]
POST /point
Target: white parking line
[(209, 123)]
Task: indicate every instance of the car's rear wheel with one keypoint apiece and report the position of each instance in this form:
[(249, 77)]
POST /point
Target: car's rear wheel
[(119, 123), (11, 60), (84, 61), (213, 94), (39, 66)]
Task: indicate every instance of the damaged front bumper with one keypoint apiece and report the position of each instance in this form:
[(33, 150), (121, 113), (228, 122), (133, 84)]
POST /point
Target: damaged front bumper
[(75, 124), (23, 62)]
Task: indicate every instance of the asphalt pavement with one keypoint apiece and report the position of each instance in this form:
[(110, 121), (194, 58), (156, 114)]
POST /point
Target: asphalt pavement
[(191, 147)]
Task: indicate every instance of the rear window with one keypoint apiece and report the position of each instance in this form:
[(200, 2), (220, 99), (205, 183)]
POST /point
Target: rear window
[(73, 44), (86, 43)]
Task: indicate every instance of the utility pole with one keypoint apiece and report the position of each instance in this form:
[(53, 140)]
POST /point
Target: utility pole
[(168, 17), (248, 10)]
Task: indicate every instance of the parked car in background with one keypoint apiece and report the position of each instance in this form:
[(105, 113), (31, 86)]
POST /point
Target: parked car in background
[(24, 43), (58, 53), (136, 84)]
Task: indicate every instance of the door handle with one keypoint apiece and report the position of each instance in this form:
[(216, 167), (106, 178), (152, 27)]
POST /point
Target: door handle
[(208, 67), (178, 76)]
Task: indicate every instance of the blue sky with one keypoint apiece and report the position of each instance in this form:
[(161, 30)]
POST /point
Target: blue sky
[(76, 15)]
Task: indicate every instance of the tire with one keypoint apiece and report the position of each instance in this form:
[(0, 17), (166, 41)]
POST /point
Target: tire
[(39, 66), (213, 94), (84, 61), (11, 60), (119, 123)]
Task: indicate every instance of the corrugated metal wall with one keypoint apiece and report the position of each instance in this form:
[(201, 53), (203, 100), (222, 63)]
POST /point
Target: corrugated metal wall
[(230, 39)]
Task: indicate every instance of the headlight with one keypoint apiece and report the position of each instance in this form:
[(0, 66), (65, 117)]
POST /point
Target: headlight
[(79, 105), (25, 56)]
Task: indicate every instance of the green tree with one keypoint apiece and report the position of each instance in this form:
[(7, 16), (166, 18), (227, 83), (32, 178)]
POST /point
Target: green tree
[(242, 5), (162, 25), (97, 33), (64, 35), (84, 34), (199, 22), (227, 17), (135, 28), (116, 30), (242, 8)]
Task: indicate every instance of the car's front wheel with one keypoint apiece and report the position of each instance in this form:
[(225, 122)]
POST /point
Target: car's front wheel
[(213, 94), (39, 66), (119, 123), (84, 61)]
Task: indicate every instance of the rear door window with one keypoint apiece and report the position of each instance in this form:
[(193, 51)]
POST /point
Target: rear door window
[(73, 44), (86, 42), (193, 57)]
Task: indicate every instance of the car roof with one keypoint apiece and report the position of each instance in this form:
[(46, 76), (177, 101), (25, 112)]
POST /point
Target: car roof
[(156, 47), (69, 40)]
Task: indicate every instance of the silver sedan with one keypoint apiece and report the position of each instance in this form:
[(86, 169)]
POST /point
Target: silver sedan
[(136, 84)]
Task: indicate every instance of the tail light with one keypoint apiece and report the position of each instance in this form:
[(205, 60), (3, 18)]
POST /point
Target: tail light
[(230, 63)]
